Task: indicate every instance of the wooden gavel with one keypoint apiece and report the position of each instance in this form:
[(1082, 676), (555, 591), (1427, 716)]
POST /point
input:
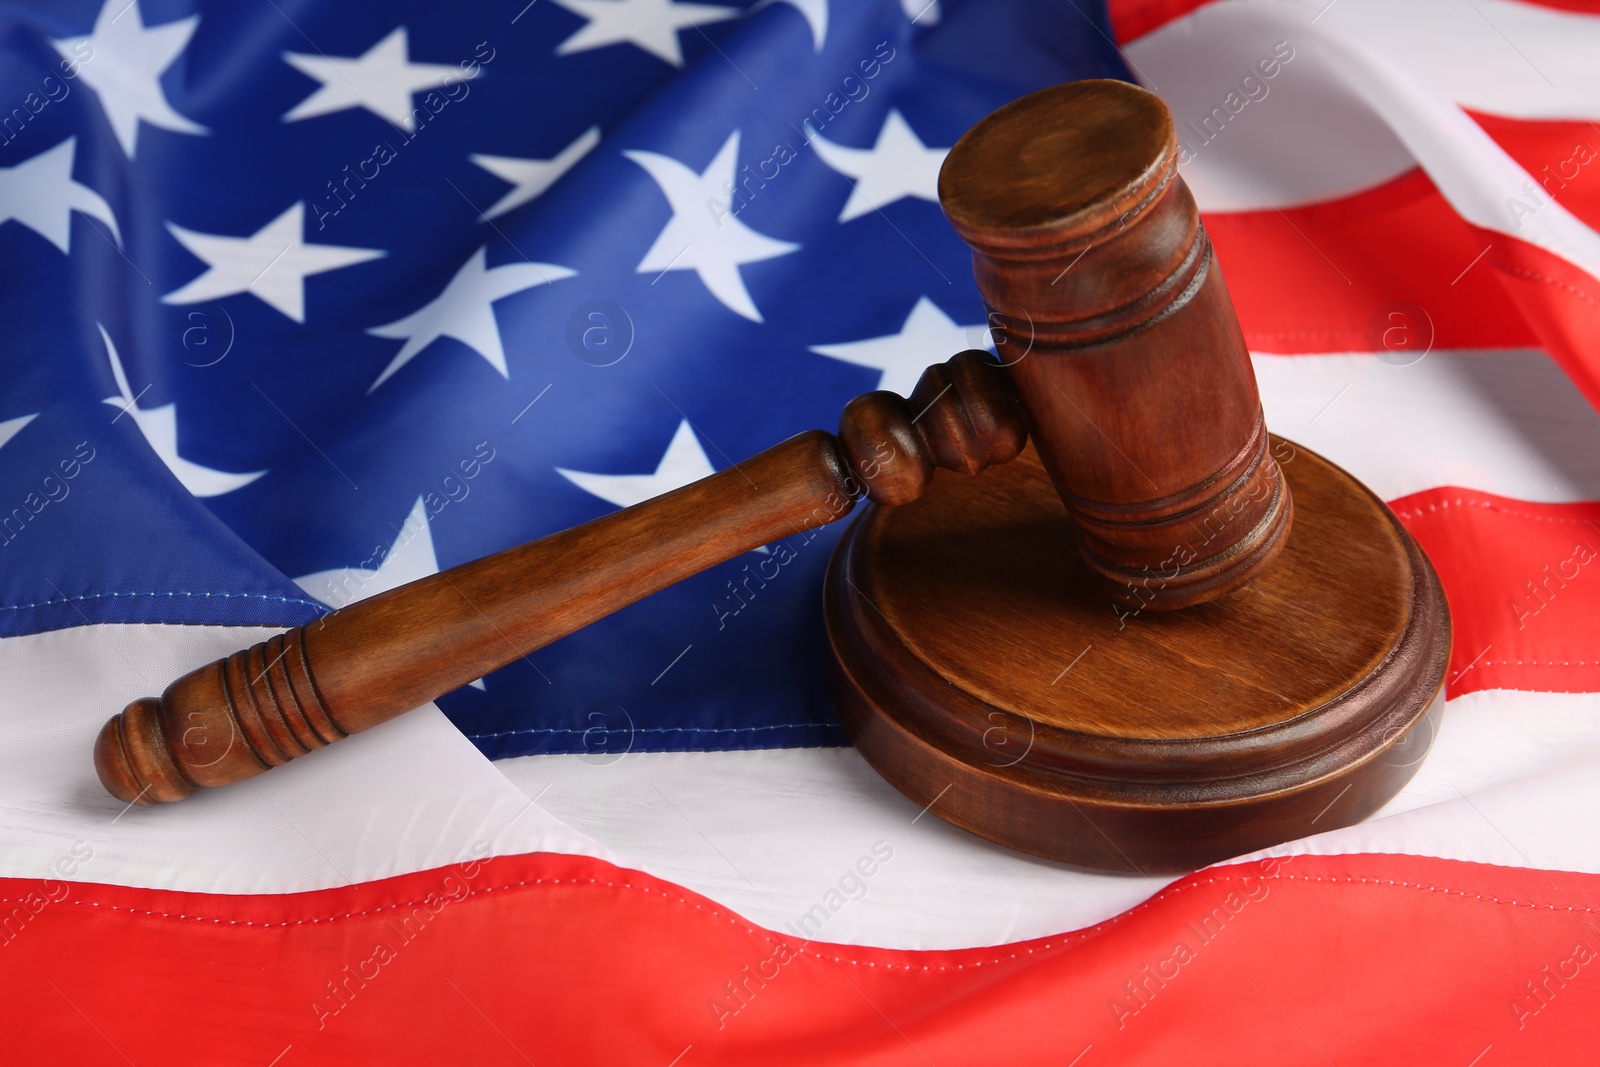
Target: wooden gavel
[(366, 663), (1128, 368)]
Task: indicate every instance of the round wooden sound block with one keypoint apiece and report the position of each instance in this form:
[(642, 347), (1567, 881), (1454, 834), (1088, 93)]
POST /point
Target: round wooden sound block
[(981, 670)]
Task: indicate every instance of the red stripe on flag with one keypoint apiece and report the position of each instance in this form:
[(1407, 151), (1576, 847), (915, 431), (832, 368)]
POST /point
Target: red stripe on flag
[(1523, 581), (1132, 19), (1558, 301), (567, 960), (1563, 158), (1581, 7), (1322, 277)]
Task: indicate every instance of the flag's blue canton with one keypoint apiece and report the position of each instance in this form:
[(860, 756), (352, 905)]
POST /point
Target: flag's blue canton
[(303, 300)]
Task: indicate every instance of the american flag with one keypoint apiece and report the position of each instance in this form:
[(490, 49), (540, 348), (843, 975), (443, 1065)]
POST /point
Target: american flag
[(306, 301)]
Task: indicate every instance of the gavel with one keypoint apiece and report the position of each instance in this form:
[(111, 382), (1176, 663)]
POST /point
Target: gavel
[(1120, 356), (365, 663)]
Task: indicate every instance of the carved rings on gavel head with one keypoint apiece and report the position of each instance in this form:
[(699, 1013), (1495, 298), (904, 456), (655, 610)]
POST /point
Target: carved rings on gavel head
[(1136, 380)]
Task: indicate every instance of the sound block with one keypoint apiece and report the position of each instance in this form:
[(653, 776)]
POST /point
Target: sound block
[(977, 665)]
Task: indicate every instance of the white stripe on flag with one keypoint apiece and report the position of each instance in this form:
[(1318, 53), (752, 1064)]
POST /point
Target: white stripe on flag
[(1496, 56), (410, 795), (770, 833), (1504, 422), (1513, 780), (1346, 113)]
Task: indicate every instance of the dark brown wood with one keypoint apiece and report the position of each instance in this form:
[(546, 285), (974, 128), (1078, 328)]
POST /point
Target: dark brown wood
[(1121, 337), (366, 663), (979, 669)]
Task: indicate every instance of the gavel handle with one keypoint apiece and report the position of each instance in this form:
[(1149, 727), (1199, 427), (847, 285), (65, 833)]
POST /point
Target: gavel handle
[(366, 663)]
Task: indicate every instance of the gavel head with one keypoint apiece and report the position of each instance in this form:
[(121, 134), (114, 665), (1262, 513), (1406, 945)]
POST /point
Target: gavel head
[(1112, 317)]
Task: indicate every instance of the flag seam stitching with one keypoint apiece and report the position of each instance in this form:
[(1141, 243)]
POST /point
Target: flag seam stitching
[(753, 929), (224, 596)]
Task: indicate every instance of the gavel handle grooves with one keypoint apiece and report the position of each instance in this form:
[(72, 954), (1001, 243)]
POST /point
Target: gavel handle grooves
[(366, 663)]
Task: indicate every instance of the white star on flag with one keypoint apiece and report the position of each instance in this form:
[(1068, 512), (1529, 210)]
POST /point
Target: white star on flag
[(898, 165), (684, 462), (815, 13), (409, 558), (160, 429), (713, 244), (121, 60), (928, 336), (382, 79), (272, 263), (653, 25), (465, 311), (533, 176), (40, 194), (11, 427)]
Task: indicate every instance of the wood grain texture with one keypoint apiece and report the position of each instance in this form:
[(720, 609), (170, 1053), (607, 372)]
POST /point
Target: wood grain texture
[(1120, 335), (375, 659), (979, 669)]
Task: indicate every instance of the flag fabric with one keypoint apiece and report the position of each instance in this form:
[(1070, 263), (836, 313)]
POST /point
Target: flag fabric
[(303, 302)]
